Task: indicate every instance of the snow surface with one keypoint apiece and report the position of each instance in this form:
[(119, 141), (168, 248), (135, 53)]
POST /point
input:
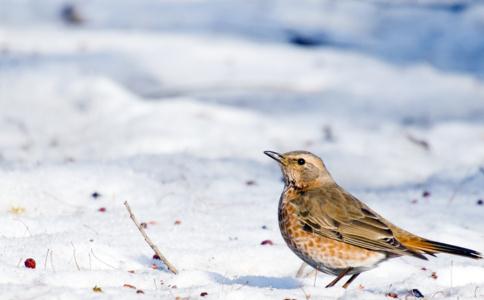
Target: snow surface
[(169, 105)]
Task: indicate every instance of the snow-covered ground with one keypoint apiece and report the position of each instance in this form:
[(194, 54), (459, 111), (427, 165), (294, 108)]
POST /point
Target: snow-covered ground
[(169, 105)]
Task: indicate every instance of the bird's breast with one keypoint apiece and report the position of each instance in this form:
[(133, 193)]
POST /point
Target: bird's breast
[(325, 254)]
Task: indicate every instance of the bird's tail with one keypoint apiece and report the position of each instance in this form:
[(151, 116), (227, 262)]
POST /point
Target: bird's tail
[(432, 247)]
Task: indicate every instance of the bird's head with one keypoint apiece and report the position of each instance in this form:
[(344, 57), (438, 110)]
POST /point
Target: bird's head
[(301, 169)]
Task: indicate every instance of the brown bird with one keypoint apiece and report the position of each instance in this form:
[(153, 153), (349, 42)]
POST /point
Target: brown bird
[(333, 231)]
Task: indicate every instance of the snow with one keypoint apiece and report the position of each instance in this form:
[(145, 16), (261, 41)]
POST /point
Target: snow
[(171, 108)]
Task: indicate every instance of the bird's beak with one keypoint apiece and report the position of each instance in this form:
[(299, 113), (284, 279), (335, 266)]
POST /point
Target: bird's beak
[(275, 156)]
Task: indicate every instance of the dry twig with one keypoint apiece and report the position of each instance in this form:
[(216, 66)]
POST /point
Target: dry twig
[(46, 257), (74, 254), (52, 260), (26, 227), (101, 261), (419, 142), (19, 261), (148, 240)]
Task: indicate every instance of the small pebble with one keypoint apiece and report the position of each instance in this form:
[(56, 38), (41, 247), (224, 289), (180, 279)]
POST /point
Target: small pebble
[(416, 293), (480, 202), (426, 194)]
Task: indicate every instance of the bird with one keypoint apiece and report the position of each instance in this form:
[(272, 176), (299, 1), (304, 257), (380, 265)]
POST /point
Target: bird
[(336, 233)]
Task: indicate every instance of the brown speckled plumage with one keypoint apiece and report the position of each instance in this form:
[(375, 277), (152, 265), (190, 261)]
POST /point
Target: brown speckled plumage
[(333, 231), (325, 254)]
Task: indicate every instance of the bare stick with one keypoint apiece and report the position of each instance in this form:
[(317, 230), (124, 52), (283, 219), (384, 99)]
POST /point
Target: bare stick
[(464, 181), (19, 261), (306, 295), (52, 261), (46, 257), (100, 260), (74, 254), (90, 228), (451, 274), (26, 227), (148, 240)]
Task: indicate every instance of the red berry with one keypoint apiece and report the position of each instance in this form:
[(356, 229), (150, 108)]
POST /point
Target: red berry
[(155, 256), (29, 263), (266, 242), (203, 294), (102, 209), (426, 194)]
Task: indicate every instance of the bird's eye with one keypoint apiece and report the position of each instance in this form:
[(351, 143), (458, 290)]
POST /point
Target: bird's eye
[(301, 161)]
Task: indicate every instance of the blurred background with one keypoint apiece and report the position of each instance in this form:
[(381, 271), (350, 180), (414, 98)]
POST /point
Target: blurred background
[(393, 86), (170, 103)]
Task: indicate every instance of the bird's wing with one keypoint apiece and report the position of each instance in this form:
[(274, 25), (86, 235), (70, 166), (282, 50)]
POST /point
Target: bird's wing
[(334, 213)]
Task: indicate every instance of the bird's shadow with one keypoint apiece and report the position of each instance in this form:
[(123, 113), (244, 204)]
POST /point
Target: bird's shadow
[(285, 283)]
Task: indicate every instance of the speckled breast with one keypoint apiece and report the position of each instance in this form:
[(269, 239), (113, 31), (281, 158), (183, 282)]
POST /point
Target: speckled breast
[(324, 254)]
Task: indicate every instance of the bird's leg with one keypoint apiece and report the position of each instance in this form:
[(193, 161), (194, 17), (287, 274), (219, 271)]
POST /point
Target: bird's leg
[(347, 284), (300, 272), (340, 275)]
